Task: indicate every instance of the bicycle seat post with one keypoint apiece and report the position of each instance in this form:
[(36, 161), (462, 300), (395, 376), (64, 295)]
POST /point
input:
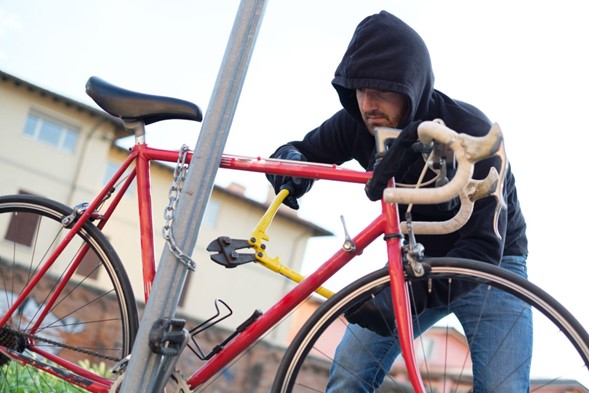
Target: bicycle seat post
[(138, 129)]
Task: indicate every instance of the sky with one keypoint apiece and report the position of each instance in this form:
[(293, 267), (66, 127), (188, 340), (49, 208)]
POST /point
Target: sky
[(524, 63)]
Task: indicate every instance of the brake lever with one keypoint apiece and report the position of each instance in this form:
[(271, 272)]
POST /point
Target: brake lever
[(498, 192)]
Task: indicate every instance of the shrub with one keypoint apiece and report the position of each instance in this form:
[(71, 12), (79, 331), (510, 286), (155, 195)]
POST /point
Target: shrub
[(24, 379)]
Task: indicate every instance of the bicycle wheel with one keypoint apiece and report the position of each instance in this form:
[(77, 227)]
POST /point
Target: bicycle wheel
[(560, 356), (92, 321)]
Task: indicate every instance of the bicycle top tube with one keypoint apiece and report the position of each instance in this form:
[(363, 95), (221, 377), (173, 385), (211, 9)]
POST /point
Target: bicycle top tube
[(466, 188), (305, 169)]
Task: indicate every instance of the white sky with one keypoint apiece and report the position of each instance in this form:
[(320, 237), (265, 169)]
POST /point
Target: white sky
[(524, 63)]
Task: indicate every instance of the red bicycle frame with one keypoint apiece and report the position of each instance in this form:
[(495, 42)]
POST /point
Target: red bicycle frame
[(386, 224)]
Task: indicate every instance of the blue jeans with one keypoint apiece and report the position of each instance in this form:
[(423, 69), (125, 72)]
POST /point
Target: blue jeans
[(364, 358)]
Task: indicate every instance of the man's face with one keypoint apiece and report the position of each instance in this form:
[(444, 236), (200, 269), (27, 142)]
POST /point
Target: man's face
[(381, 108)]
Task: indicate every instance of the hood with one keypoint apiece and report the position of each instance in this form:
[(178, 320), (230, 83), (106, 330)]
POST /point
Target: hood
[(386, 54)]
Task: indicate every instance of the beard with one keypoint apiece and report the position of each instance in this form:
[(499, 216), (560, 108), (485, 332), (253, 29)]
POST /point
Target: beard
[(375, 119)]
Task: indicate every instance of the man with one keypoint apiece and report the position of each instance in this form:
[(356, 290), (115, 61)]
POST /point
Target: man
[(385, 79)]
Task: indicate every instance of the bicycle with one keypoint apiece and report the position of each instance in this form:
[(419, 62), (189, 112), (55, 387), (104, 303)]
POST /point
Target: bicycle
[(50, 250)]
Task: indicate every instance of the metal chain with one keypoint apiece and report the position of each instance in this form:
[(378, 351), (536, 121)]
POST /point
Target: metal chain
[(62, 345), (170, 210), (176, 379)]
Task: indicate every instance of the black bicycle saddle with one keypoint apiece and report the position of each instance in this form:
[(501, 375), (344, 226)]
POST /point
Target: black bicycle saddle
[(132, 106)]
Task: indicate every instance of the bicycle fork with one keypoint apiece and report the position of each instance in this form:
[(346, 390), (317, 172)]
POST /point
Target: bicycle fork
[(400, 295)]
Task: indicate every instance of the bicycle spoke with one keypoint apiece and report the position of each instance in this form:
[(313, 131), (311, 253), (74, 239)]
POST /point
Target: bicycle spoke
[(92, 318), (444, 355)]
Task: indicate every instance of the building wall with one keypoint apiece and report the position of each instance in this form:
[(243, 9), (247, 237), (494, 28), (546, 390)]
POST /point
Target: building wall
[(26, 165), (42, 169)]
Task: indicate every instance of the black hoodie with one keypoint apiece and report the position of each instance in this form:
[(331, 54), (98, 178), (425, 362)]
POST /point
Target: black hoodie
[(386, 54)]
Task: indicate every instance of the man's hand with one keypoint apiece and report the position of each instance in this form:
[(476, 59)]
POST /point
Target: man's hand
[(394, 163), (297, 186)]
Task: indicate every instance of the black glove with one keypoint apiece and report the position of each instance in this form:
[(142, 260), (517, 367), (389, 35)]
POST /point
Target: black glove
[(377, 313), (395, 162), (297, 186)]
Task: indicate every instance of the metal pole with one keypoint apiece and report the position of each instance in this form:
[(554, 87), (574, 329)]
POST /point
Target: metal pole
[(171, 274)]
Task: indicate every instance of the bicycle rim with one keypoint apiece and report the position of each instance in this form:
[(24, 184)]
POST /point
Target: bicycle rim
[(93, 320), (560, 356)]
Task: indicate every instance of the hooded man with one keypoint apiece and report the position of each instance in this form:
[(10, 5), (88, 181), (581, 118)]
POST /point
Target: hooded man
[(385, 79)]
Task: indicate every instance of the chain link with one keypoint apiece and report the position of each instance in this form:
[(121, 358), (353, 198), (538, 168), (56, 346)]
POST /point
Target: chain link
[(58, 344), (170, 210), (177, 380)]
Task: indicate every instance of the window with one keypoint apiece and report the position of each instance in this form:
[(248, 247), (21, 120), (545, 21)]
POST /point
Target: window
[(23, 229), (211, 214), (90, 265), (111, 169), (51, 131)]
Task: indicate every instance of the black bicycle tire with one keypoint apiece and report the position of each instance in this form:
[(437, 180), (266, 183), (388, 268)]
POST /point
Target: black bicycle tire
[(100, 245), (330, 309)]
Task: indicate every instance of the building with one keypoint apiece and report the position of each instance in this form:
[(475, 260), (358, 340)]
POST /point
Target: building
[(70, 163), (65, 150)]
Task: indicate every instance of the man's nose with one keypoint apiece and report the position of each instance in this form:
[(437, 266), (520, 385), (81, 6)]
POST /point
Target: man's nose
[(369, 101)]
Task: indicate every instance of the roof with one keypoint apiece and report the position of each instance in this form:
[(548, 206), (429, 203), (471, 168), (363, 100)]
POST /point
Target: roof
[(115, 122)]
